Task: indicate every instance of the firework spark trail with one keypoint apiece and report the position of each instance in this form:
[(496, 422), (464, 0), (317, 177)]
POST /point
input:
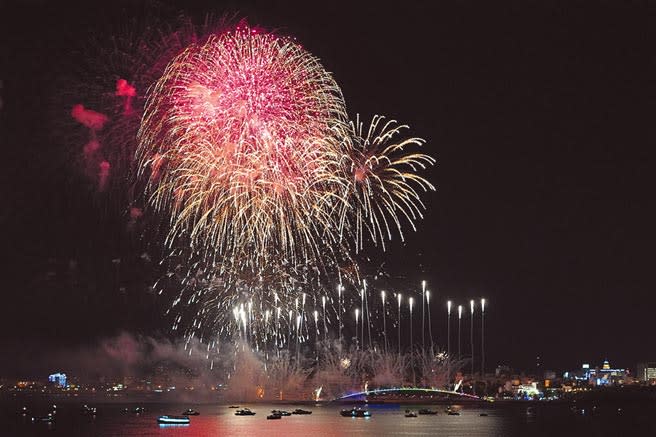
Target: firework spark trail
[(385, 179)]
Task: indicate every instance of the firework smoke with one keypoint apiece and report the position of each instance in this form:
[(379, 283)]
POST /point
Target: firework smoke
[(91, 119)]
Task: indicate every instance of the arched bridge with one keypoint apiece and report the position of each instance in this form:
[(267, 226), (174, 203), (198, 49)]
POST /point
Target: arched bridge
[(407, 391)]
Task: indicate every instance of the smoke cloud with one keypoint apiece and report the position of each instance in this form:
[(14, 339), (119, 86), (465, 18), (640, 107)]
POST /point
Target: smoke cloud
[(91, 119)]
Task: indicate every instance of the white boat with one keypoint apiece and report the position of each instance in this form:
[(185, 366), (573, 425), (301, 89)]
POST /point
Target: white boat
[(179, 420)]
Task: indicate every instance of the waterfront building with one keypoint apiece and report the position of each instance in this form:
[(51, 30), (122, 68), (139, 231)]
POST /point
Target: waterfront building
[(646, 372), (58, 379), (598, 376)]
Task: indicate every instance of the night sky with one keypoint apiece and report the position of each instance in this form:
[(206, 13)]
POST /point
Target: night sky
[(535, 111)]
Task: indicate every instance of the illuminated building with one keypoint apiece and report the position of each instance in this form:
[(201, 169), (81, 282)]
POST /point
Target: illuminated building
[(529, 391), (604, 375), (58, 379), (646, 371)]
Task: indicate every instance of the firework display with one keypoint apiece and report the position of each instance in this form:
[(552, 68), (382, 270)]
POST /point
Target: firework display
[(238, 151), (241, 139)]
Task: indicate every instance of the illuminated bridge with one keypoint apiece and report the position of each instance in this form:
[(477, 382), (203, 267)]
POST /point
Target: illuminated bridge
[(407, 394)]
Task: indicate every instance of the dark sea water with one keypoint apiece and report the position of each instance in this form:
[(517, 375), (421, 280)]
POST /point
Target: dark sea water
[(634, 419)]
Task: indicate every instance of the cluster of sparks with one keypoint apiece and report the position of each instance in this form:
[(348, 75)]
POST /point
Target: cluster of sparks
[(244, 145), (237, 137)]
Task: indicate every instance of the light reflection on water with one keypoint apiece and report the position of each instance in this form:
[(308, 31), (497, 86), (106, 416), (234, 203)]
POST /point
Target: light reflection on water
[(214, 420)]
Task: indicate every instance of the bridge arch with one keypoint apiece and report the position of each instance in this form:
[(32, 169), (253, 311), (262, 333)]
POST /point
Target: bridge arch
[(406, 390)]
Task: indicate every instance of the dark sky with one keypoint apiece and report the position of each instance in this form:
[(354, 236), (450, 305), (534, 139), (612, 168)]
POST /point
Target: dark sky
[(535, 111)]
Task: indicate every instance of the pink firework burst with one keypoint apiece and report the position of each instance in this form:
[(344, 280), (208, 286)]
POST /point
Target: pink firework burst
[(240, 139)]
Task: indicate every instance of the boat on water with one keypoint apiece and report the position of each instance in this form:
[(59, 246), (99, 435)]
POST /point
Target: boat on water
[(244, 412), (177, 420), (274, 416), (46, 419), (426, 411), (453, 413), (135, 410), (233, 406), (409, 413), (301, 411), (89, 411), (281, 412), (355, 412), (190, 412)]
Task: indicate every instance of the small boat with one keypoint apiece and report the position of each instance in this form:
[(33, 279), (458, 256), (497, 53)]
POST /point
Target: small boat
[(47, 419), (24, 411), (281, 412), (233, 406), (410, 414), (355, 412), (530, 412), (301, 411), (90, 411), (244, 412), (426, 411), (135, 410), (177, 420), (190, 412), (483, 414), (274, 416), (453, 413)]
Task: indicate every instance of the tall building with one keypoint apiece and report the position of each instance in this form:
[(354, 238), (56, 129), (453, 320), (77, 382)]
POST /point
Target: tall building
[(647, 371)]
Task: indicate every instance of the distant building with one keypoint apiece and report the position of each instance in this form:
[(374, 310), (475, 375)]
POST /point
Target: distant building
[(58, 379), (647, 371), (598, 376)]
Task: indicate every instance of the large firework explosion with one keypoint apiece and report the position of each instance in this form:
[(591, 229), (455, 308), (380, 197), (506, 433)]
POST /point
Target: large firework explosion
[(263, 189), (239, 136)]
